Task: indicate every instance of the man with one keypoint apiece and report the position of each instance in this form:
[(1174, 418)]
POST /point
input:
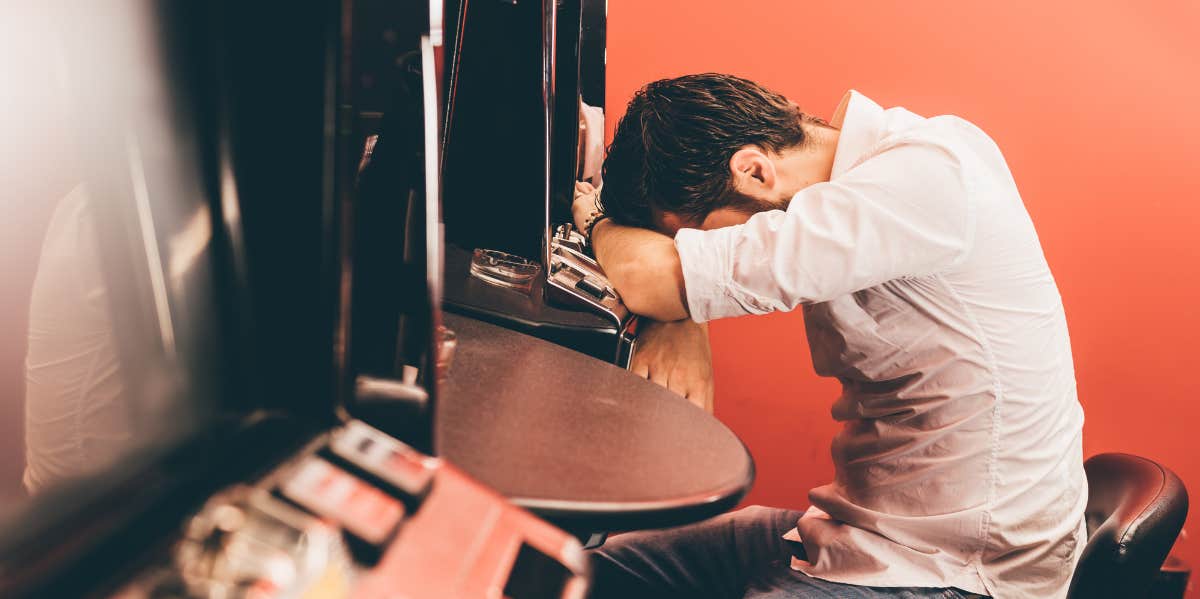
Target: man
[(959, 466)]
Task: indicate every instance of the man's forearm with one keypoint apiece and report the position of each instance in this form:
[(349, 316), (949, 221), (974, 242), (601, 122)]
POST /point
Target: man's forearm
[(644, 268)]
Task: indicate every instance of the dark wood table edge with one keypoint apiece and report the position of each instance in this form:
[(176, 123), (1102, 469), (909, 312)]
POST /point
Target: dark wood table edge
[(641, 515)]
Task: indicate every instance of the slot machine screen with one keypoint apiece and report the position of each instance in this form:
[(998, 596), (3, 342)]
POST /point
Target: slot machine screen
[(171, 162), (124, 346)]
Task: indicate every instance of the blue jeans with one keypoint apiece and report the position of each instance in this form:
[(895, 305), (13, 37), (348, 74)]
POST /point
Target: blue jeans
[(739, 555)]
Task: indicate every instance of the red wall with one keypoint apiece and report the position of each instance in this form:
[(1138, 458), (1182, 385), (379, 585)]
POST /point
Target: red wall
[(1095, 106)]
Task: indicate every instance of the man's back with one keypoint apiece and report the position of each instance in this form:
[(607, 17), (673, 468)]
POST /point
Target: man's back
[(960, 460)]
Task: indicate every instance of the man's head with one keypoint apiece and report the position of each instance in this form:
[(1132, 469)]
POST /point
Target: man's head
[(703, 151)]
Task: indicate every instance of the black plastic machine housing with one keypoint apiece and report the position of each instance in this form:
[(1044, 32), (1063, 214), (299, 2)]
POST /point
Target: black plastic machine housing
[(519, 74)]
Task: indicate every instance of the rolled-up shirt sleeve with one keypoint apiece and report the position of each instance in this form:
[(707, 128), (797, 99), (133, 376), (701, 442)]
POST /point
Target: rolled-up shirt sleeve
[(904, 212)]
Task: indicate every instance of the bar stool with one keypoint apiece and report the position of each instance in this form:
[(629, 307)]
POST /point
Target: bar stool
[(1135, 510)]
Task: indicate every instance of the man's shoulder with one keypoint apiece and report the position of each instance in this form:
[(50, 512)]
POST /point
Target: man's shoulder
[(950, 133)]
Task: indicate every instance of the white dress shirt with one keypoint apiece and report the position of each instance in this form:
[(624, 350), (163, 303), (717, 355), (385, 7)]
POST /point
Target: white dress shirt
[(926, 293)]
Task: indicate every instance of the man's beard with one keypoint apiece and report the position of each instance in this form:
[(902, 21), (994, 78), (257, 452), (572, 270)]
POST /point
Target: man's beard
[(753, 206)]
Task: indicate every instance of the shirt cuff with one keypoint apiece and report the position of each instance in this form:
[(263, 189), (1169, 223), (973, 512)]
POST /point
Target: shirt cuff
[(707, 272)]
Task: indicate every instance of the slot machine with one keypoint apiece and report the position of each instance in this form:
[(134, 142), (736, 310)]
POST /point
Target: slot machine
[(524, 121), (196, 285)]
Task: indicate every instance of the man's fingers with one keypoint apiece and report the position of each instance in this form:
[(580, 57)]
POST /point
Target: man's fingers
[(696, 397), (678, 384), (695, 389), (690, 387), (659, 377), (641, 369)]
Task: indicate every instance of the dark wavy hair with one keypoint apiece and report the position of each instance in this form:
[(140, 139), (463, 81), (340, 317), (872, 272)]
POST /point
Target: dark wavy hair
[(672, 148)]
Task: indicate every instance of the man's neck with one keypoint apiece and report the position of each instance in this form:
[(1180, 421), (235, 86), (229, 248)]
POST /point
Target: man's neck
[(810, 163)]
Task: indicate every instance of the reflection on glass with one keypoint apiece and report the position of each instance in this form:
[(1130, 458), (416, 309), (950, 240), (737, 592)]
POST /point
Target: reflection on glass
[(591, 143), (76, 417), (122, 322)]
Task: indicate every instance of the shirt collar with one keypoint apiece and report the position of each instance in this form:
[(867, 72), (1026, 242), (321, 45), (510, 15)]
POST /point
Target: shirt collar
[(862, 126)]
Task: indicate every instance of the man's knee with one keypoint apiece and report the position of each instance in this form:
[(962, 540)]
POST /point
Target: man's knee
[(767, 519), (754, 512)]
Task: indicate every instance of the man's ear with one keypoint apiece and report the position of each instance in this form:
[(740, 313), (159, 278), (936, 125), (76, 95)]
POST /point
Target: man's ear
[(752, 173)]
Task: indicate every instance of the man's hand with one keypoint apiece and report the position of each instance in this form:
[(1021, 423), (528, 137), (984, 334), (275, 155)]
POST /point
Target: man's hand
[(584, 205), (677, 356)]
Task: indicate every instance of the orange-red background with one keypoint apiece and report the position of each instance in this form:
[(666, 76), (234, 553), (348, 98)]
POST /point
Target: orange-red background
[(1095, 106)]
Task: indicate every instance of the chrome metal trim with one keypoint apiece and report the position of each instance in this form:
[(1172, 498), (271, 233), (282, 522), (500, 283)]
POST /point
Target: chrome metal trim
[(434, 259), (549, 52), (158, 283), (337, 65), (566, 266), (436, 19)]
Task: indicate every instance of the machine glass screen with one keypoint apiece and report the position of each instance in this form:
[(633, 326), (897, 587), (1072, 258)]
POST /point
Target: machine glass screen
[(125, 330)]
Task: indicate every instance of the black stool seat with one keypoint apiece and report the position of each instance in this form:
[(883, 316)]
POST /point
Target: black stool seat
[(1135, 510)]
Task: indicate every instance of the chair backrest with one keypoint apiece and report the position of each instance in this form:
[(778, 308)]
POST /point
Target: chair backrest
[(1135, 510)]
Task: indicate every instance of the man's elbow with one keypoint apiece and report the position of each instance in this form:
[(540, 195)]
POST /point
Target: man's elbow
[(651, 288), (639, 303), (628, 281), (653, 308)]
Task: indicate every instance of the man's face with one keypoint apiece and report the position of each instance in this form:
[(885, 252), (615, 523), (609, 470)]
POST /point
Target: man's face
[(670, 223)]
